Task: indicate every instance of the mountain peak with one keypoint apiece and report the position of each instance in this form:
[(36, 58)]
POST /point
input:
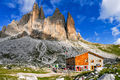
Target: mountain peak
[(42, 16), (35, 6), (58, 16), (71, 31), (57, 11), (35, 24)]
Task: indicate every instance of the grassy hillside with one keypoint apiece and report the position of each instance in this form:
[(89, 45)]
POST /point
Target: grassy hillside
[(113, 49), (109, 48)]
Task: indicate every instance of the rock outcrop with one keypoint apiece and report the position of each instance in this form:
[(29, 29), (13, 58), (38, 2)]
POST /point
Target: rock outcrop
[(57, 16), (24, 19), (4, 29), (39, 41), (37, 26), (27, 50), (2, 33), (79, 37), (55, 26), (36, 13), (71, 32), (12, 28), (42, 15)]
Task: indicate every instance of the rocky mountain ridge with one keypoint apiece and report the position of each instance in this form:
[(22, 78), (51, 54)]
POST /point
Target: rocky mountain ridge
[(52, 27), (39, 40), (27, 50)]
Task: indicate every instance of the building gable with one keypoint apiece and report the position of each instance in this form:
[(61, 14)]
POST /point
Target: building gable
[(96, 55), (81, 59)]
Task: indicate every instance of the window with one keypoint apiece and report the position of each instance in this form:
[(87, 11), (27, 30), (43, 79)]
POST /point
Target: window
[(86, 60), (92, 61), (99, 60), (92, 67), (85, 67)]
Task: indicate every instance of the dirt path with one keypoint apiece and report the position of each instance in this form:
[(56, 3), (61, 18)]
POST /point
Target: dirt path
[(41, 75)]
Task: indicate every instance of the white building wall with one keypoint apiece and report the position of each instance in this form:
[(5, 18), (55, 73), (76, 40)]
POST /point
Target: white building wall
[(96, 61)]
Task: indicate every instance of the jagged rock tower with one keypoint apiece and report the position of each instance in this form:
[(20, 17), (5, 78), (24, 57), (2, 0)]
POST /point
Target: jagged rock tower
[(37, 26), (71, 31), (35, 12), (55, 26), (42, 16)]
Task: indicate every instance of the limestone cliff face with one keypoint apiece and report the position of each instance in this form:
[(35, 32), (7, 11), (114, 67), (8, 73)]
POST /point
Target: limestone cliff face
[(42, 15), (4, 29), (37, 26), (2, 33), (12, 28), (35, 13), (55, 26), (71, 32), (24, 20), (79, 36)]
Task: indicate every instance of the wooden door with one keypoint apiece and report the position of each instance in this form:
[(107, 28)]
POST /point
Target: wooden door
[(92, 68)]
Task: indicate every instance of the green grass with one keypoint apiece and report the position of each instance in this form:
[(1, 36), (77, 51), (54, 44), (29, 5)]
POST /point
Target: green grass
[(83, 73), (113, 49), (7, 77), (5, 73), (111, 70), (55, 77), (21, 70), (48, 78), (117, 78)]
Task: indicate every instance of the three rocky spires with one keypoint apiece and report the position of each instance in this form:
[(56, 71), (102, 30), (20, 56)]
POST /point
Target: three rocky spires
[(36, 25)]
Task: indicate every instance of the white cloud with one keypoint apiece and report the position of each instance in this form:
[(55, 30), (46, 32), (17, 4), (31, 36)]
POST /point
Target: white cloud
[(47, 10), (86, 2), (80, 18), (55, 2), (110, 9), (26, 5), (115, 30), (97, 39), (96, 34), (11, 5), (77, 30), (117, 41), (88, 39), (15, 17)]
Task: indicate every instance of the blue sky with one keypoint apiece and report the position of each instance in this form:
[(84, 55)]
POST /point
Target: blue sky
[(97, 20)]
